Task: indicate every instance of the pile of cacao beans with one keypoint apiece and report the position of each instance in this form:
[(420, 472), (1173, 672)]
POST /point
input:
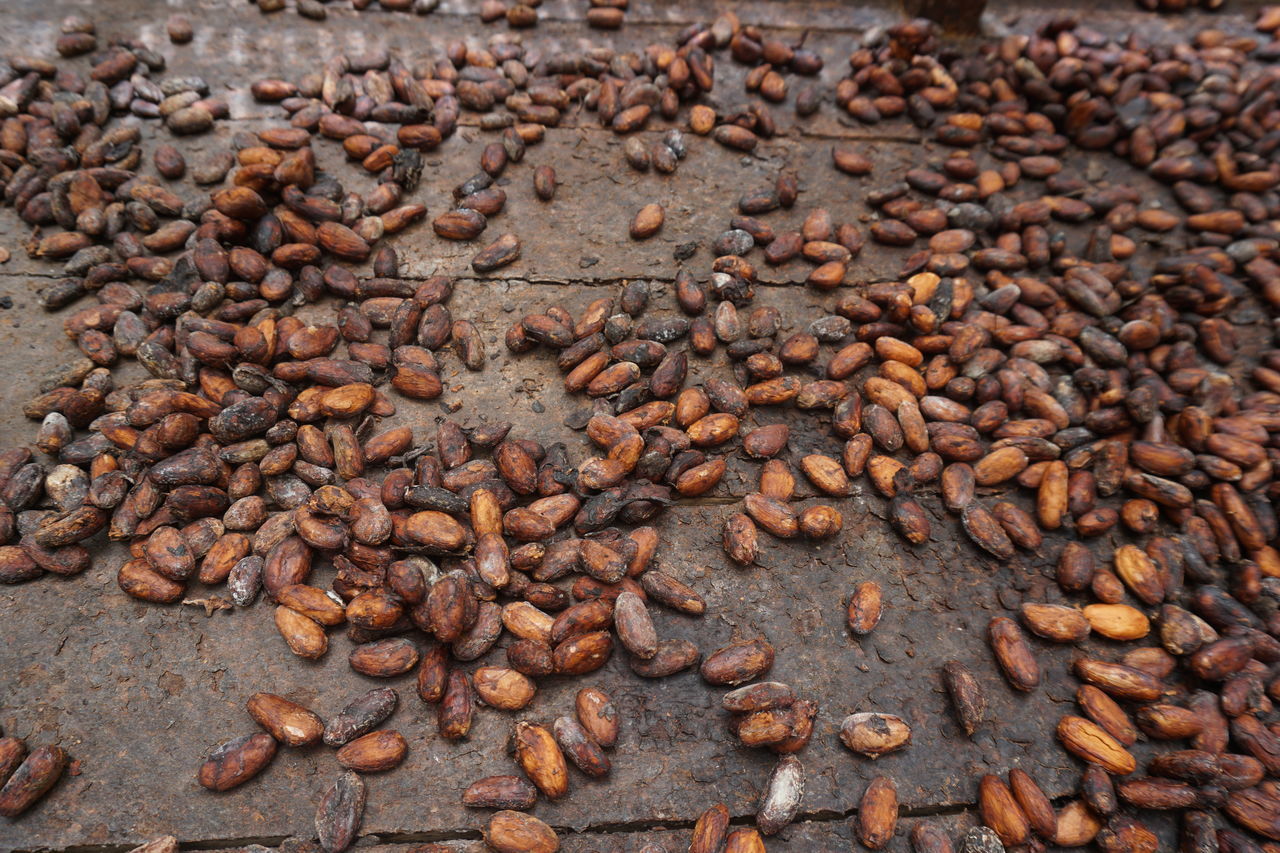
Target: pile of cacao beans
[(1033, 365)]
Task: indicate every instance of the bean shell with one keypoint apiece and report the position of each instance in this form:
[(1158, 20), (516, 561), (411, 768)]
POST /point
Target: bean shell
[(782, 796), (340, 813)]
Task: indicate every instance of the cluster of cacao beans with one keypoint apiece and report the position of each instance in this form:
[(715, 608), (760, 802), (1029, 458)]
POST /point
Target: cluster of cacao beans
[(360, 750), (541, 753), (513, 86), (518, 15), (769, 714), (664, 155), (318, 10), (25, 776), (1089, 380), (601, 14), (829, 246), (1004, 353), (1180, 5), (64, 161), (521, 14), (416, 512)]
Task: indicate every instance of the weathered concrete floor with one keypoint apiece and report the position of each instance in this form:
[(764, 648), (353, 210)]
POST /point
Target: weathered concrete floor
[(137, 694)]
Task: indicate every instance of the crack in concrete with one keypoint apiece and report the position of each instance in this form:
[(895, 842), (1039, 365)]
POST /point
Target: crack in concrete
[(819, 816), (616, 281), (543, 281), (633, 20), (884, 13), (727, 500), (42, 275), (471, 121)]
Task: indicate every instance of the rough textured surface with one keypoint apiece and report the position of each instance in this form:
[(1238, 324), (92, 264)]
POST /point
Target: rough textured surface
[(137, 694)]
